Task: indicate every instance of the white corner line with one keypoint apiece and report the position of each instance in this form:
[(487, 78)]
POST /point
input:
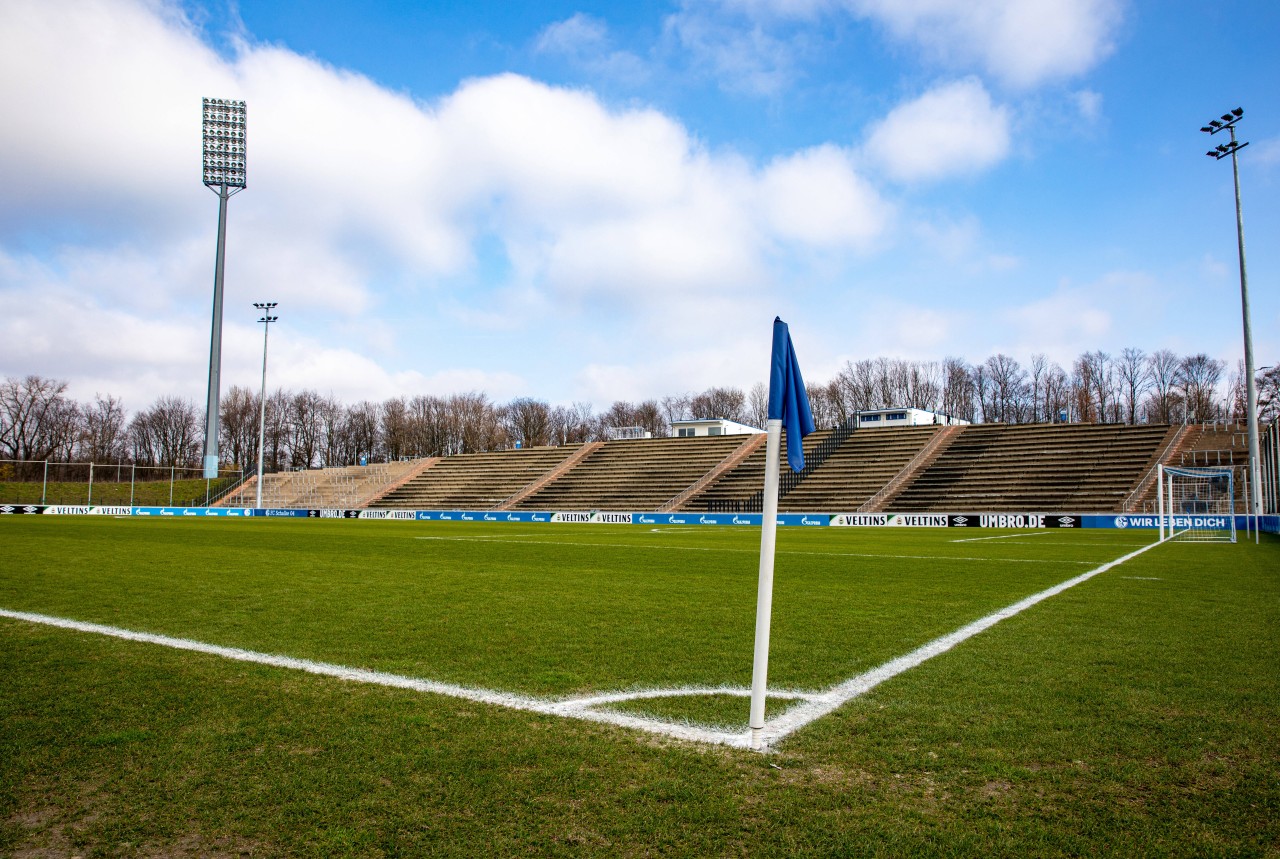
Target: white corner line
[(812, 706), (839, 695)]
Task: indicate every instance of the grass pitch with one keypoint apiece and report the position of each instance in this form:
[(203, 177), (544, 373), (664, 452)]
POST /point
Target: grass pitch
[(1134, 713)]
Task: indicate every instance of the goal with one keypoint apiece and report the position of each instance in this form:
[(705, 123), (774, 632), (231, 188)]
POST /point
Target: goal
[(1197, 505)]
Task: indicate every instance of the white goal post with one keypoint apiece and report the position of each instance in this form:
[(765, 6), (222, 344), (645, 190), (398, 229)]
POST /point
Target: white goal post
[(1197, 505)]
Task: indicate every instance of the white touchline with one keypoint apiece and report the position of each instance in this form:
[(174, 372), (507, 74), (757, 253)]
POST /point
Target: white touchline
[(814, 705), (1003, 537), (642, 546)]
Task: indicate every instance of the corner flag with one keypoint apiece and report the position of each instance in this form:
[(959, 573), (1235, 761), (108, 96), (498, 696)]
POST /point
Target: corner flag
[(788, 401), (789, 406)]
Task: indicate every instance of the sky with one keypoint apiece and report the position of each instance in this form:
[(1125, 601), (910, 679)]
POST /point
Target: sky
[(594, 201)]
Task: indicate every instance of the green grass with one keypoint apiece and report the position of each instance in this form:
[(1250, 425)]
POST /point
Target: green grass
[(1135, 714)]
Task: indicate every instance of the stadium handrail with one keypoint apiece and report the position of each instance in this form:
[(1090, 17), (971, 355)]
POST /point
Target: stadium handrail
[(931, 449), (1131, 500), (536, 485), (737, 455)]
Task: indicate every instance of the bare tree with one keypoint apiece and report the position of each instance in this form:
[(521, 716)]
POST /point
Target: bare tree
[(1237, 405), (889, 383), (857, 384), (981, 391), (1057, 392), (276, 449), (1084, 389), (1198, 379), (1162, 370), (306, 431), (646, 415), (477, 422), (758, 405), (332, 418), (169, 433), (821, 405), (528, 421), (1039, 367), (1006, 391), (393, 420), (360, 426), (1134, 372), (572, 424), (102, 432), (36, 420), (239, 417), (958, 392), (677, 407), (1098, 392), (1268, 386), (726, 403), (924, 385)]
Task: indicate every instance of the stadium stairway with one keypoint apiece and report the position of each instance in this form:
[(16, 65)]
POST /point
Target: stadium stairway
[(1144, 493), (341, 487), (1208, 445), (843, 469), (923, 459), (554, 474), (982, 468), (632, 474), (753, 442), (1035, 467), (476, 481)]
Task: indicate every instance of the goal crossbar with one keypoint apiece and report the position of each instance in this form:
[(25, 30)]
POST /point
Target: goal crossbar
[(1197, 505)]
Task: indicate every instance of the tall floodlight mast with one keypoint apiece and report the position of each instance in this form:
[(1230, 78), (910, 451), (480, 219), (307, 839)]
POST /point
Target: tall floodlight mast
[(266, 307), (1227, 123), (224, 173)]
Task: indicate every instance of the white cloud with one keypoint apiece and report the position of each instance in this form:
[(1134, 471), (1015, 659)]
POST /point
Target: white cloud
[(1089, 105), (88, 118), (742, 54), (1076, 318), (584, 40), (815, 197), (1267, 152), (753, 45), (1022, 43), (574, 35), (536, 206), (960, 243), (766, 9), (952, 129)]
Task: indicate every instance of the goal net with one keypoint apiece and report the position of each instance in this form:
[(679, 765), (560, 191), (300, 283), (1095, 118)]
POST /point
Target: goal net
[(1198, 505)]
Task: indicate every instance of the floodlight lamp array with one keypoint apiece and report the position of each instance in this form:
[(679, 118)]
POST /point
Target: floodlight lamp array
[(1225, 149), (224, 142), (1227, 121), (266, 307)]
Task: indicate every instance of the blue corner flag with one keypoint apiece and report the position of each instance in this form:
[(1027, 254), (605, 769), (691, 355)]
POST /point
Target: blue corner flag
[(788, 401)]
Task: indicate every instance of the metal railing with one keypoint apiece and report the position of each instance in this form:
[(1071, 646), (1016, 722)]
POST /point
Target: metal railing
[(113, 483)]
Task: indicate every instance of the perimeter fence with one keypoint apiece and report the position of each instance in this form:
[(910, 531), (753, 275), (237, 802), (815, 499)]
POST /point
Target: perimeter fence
[(114, 483)]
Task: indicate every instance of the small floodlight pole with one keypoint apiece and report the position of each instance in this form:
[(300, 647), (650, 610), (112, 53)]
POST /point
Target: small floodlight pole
[(266, 321), (224, 173), (1228, 123)]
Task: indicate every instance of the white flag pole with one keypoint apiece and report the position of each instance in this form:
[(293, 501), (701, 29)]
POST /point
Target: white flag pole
[(764, 593), (1160, 499)]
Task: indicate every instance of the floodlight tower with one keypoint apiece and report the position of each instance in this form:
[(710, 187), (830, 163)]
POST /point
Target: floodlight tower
[(224, 173), (266, 320), (1228, 123)]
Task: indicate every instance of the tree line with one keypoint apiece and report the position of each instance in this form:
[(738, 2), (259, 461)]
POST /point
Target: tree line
[(305, 429)]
